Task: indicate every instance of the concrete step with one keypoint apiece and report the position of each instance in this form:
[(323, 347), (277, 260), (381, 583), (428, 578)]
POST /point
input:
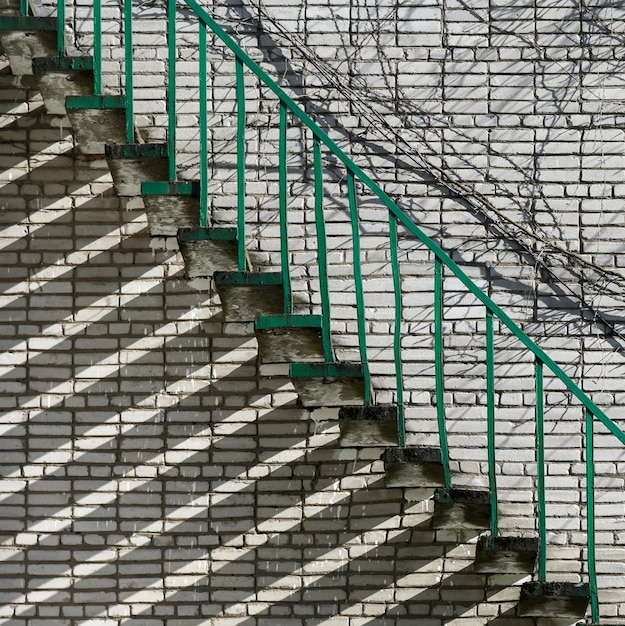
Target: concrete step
[(461, 509), (22, 46), (506, 555), (168, 214), (413, 467), (328, 384), (290, 338), (55, 86), (368, 426), (95, 128), (245, 296), (215, 251), (129, 173), (554, 599)]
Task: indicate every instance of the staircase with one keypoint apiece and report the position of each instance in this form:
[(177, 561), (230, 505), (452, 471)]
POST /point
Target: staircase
[(319, 340)]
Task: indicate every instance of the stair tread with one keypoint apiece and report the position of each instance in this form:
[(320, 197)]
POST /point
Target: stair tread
[(21, 50), (167, 214), (94, 128), (413, 467), (248, 279), (554, 599), (286, 338), (203, 257), (504, 555), (246, 296)]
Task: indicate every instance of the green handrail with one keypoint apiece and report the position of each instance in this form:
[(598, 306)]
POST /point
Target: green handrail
[(442, 259), (397, 217)]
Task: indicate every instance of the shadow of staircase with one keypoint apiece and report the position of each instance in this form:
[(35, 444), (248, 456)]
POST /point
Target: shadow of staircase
[(430, 565)]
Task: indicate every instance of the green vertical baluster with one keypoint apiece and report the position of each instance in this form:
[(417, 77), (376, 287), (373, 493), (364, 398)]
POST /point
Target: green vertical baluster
[(97, 47), (24, 7), (284, 225), (490, 410), (322, 253), (130, 112), (60, 31), (171, 88), (440, 368), (590, 515), (203, 128), (358, 284), (540, 472), (399, 375), (241, 165)]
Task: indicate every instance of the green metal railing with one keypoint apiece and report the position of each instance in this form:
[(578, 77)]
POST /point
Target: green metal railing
[(354, 177)]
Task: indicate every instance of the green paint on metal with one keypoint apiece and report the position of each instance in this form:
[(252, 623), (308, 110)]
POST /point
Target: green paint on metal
[(490, 411), (171, 188), (540, 471), (288, 321), (136, 150), (24, 7), (326, 370), (204, 219), (95, 102), (27, 22), (241, 192), (590, 517), (439, 367), (248, 278), (402, 217), (60, 33), (207, 234), (399, 376), (63, 64), (172, 52), (322, 252), (284, 223), (129, 73), (97, 47), (361, 313)]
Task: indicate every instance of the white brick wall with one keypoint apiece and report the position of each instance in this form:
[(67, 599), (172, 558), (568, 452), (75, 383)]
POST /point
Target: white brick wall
[(150, 477)]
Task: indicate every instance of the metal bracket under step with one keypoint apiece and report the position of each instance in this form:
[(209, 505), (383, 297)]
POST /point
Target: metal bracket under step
[(63, 64), (136, 151), (288, 321), (327, 371), (207, 234), (95, 102), (248, 279), (171, 188), (27, 22)]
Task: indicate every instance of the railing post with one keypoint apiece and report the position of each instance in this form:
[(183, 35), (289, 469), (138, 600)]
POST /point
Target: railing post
[(358, 284), (490, 411), (540, 471), (397, 334), (171, 86), (128, 49), (24, 7), (322, 252), (241, 151), (60, 33), (97, 47), (284, 224), (590, 516), (440, 368), (203, 126)]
